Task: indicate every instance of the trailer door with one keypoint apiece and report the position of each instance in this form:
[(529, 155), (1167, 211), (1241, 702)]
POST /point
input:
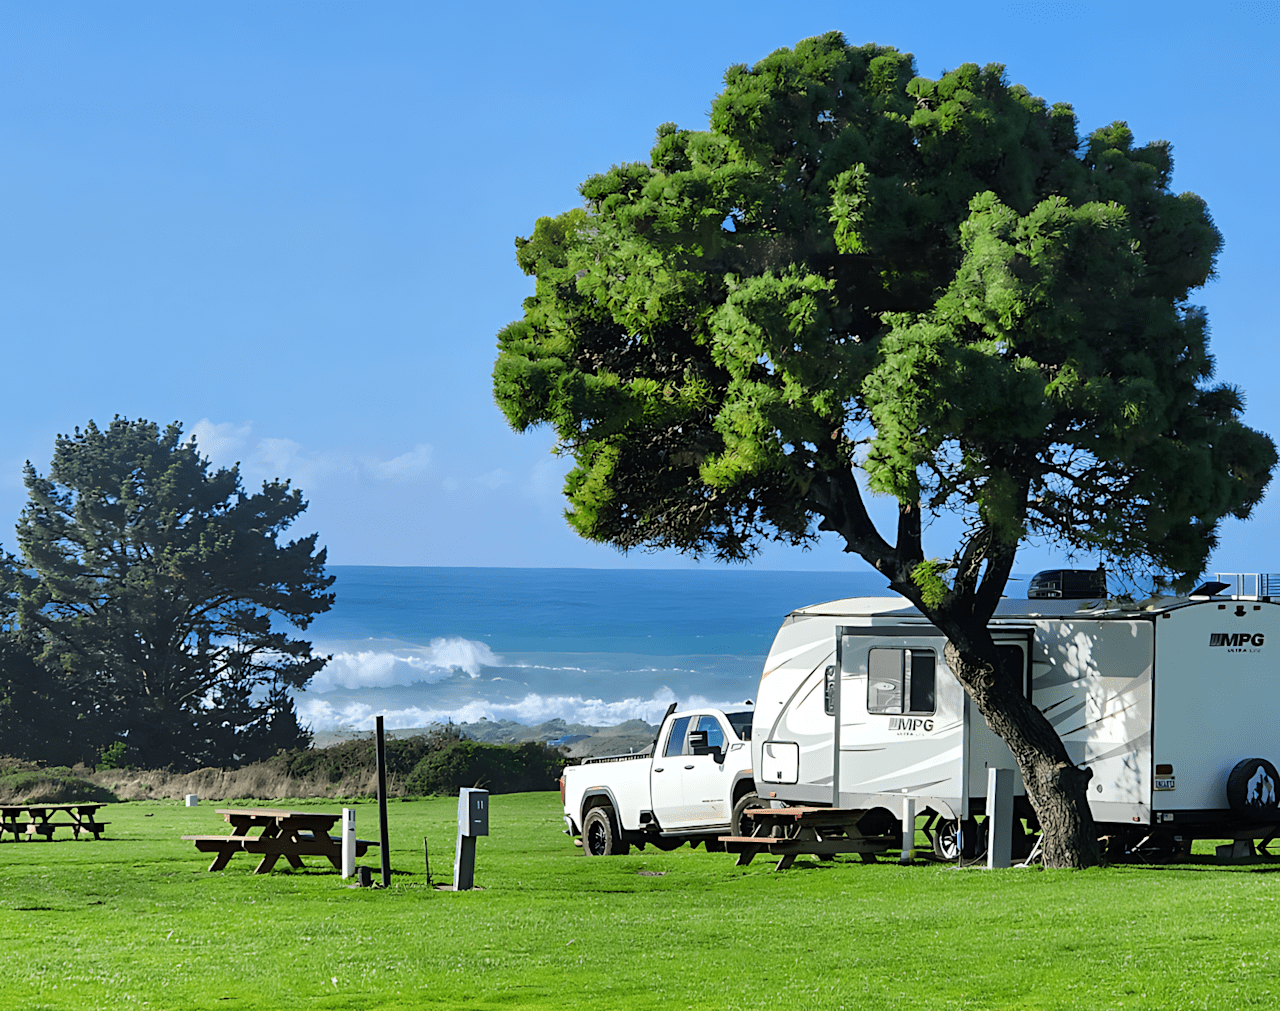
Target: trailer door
[(901, 729)]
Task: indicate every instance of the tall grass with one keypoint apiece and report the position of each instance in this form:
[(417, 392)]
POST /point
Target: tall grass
[(438, 762), (261, 781)]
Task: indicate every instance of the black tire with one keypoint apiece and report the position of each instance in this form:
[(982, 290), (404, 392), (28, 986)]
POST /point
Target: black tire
[(881, 821), (739, 824), (1252, 790), (600, 835), (950, 844)]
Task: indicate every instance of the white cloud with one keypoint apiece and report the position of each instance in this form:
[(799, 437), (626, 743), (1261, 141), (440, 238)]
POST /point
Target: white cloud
[(494, 479), (370, 669), (264, 458), (222, 442), (409, 464), (545, 483), (276, 454)]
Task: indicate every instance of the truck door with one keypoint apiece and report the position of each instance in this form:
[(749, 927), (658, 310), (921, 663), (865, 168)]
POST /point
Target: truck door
[(665, 790), (704, 780)]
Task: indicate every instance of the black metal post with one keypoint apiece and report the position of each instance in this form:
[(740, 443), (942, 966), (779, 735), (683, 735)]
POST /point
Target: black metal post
[(382, 806)]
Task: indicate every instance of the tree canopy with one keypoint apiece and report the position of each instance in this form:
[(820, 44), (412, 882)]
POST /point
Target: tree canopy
[(861, 280), (154, 586)]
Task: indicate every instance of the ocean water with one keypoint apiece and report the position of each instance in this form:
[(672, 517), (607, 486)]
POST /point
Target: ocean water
[(596, 646)]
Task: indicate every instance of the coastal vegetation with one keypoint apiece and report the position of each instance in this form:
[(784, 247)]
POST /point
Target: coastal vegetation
[(143, 622), (438, 762), (135, 919), (863, 281)]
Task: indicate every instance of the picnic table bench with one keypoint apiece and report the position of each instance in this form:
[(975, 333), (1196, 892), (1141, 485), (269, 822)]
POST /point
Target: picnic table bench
[(788, 832), (45, 819), (288, 834)]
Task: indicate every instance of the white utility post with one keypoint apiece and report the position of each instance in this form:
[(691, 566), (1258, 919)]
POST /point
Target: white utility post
[(999, 817), (348, 841), (908, 830)]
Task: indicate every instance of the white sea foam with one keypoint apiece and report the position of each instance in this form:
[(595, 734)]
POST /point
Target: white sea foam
[(381, 669), (321, 714)]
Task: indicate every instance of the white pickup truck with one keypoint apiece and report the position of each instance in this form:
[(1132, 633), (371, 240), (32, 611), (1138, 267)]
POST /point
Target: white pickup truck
[(692, 788)]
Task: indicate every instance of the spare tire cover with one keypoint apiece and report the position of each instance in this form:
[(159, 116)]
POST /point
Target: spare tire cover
[(1252, 788)]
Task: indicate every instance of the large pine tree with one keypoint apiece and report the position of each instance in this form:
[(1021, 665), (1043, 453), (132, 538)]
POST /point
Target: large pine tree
[(161, 598)]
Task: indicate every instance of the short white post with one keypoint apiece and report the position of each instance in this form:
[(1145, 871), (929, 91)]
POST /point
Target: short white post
[(908, 830), (191, 799), (348, 841), (999, 817)]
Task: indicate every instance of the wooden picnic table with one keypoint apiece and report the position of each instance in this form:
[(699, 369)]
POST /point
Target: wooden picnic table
[(43, 819), (288, 834), (788, 832)]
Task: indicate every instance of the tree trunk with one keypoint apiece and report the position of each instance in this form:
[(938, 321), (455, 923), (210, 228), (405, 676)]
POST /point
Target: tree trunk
[(1056, 787)]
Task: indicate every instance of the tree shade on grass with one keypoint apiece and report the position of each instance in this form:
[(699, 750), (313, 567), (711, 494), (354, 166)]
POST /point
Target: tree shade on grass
[(858, 279), (153, 587)]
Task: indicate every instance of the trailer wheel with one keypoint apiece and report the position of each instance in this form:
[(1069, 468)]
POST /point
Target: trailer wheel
[(600, 835), (947, 844), (738, 822), (1251, 790)]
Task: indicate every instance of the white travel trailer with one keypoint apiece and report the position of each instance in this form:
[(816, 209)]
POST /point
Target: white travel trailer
[(1172, 703)]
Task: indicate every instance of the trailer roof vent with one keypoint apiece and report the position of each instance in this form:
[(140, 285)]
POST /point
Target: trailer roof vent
[(1210, 589), (1068, 584)]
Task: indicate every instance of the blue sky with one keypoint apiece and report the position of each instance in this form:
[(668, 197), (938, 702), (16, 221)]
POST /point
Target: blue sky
[(289, 225)]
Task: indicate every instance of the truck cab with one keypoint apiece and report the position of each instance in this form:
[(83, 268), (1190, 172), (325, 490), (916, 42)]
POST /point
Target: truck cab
[(688, 789)]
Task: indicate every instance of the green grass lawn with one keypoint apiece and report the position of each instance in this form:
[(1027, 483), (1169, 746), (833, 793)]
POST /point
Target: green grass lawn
[(135, 920)]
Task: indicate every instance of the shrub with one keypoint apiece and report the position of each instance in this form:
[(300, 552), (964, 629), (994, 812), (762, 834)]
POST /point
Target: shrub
[(113, 756), (498, 768), (354, 758), (57, 785)]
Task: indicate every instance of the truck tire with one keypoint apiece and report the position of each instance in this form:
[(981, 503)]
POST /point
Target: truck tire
[(737, 819), (1251, 790), (600, 834)]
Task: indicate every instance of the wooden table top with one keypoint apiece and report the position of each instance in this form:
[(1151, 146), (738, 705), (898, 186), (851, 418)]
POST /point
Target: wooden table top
[(51, 807), (271, 814)]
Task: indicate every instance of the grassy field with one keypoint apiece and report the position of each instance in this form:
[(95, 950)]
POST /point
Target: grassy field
[(136, 920)]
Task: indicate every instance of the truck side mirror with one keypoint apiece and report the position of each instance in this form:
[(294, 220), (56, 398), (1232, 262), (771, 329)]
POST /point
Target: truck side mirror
[(698, 743)]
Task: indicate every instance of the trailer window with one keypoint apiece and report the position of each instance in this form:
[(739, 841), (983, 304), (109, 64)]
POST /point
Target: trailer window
[(884, 681), (675, 743), (922, 681), (1014, 666), (895, 676)]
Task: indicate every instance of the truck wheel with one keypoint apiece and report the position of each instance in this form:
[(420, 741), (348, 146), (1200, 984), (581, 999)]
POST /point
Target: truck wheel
[(600, 835), (739, 824)]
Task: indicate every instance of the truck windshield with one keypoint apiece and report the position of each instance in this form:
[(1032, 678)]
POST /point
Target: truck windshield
[(741, 723)]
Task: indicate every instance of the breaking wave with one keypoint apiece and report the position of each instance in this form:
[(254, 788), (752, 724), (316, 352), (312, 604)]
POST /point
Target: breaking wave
[(323, 714), (382, 669)]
